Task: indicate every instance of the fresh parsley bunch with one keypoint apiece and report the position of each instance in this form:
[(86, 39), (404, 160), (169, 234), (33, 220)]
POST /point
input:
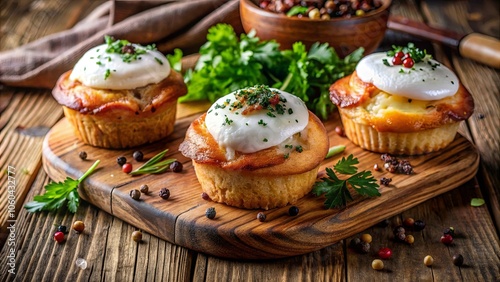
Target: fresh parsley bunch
[(337, 191), (227, 64)]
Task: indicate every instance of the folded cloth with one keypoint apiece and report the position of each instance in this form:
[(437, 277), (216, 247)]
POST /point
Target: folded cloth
[(168, 23)]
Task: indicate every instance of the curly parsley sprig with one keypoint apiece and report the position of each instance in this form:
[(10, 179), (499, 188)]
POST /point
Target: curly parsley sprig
[(336, 190), (57, 193)]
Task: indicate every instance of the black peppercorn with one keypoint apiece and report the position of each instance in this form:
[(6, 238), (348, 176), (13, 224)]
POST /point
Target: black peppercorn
[(144, 188), (176, 166), (164, 193), (83, 155), (293, 211), (418, 225), (399, 229), (363, 247), (135, 194), (449, 231), (458, 260), (138, 156), (400, 237), (210, 213), (385, 181), (121, 160), (261, 216), (62, 228), (354, 242)]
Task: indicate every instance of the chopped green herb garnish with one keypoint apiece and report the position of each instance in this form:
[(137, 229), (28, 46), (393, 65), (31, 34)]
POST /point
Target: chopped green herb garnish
[(155, 165), (106, 75)]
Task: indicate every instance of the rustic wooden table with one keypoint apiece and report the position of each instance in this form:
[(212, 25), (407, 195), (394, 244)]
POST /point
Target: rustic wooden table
[(26, 114)]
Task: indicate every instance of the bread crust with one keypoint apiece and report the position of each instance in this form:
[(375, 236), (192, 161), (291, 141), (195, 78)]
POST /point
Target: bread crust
[(201, 147), (358, 100), (139, 101)]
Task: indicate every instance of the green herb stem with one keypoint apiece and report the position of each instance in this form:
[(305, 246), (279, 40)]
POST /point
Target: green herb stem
[(89, 171), (334, 150)]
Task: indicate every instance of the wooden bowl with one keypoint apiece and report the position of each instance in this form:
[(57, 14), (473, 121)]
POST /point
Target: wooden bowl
[(344, 34)]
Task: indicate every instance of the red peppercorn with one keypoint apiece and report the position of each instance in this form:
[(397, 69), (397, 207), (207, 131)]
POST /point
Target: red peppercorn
[(59, 237), (399, 54), (339, 131), (408, 63), (397, 61), (385, 253), (446, 239), (127, 168)]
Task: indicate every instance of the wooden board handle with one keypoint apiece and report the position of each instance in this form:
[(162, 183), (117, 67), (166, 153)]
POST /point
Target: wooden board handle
[(481, 48)]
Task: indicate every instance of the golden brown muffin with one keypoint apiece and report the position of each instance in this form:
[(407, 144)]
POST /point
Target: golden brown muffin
[(120, 118), (378, 121), (265, 179)]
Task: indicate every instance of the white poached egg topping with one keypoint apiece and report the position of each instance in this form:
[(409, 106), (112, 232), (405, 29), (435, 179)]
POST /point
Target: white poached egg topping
[(426, 80), (255, 118), (101, 68)]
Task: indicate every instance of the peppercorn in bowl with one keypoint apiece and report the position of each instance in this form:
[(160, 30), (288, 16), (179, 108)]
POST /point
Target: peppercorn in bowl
[(345, 25)]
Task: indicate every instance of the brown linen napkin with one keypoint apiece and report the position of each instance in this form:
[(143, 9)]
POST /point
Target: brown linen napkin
[(168, 23)]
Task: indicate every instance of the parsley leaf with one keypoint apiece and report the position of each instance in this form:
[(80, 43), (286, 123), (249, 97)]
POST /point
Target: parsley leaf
[(336, 190), (57, 193)]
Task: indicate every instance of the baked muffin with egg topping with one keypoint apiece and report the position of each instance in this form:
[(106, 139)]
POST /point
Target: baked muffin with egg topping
[(120, 95), (257, 147), (401, 102)]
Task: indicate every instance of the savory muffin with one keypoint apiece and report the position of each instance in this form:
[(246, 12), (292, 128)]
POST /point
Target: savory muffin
[(402, 102), (120, 95), (256, 148)]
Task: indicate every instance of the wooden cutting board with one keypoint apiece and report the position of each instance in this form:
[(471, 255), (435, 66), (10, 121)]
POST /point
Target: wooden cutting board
[(236, 233)]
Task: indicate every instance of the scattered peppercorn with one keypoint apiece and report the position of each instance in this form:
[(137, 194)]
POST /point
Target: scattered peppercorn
[(176, 166), (446, 239), (354, 242), (418, 225), (135, 194), (395, 165), (164, 193), (144, 188), (138, 156), (409, 222), (62, 228), (210, 213), (385, 253), (363, 247), (127, 168), (121, 160), (398, 229), (261, 216), (480, 116), (376, 167), (458, 260), (78, 226), (137, 236), (366, 238), (293, 211), (129, 49), (428, 260), (410, 239), (205, 196), (385, 181), (59, 237), (83, 155), (339, 131), (400, 237), (377, 264)]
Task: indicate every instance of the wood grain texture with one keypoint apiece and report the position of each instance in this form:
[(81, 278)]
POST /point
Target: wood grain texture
[(235, 233)]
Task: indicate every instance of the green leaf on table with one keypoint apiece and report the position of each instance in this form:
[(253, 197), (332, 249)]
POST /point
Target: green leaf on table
[(477, 202)]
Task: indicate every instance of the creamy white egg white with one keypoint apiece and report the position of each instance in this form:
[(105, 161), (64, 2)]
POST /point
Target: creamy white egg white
[(100, 69), (426, 80), (236, 129)]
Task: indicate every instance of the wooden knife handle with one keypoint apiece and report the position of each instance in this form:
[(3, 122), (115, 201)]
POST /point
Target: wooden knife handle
[(481, 48)]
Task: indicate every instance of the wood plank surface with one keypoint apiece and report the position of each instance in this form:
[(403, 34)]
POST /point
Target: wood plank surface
[(159, 260)]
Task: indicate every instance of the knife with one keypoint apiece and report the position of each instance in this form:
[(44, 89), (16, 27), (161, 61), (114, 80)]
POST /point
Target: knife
[(475, 46)]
